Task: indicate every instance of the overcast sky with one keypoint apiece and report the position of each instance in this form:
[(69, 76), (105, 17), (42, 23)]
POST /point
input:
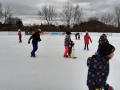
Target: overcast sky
[(27, 9)]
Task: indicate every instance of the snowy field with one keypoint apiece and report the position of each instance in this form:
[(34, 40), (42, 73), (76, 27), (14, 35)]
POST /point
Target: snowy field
[(49, 70)]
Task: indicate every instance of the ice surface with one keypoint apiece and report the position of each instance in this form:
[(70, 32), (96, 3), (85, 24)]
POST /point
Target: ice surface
[(50, 70)]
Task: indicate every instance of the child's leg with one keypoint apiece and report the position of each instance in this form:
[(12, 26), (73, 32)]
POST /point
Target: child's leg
[(98, 89), (95, 89), (70, 50), (78, 36), (85, 47), (66, 50), (35, 47), (75, 36)]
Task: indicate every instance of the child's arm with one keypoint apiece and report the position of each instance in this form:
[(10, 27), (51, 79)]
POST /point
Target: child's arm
[(30, 39), (90, 39)]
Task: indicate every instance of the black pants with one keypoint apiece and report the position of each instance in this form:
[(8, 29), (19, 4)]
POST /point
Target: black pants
[(70, 50), (76, 36)]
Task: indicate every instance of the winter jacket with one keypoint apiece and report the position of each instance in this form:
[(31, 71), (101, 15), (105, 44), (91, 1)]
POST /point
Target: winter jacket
[(103, 39), (98, 70), (35, 38), (71, 43), (67, 40), (77, 34), (19, 33), (86, 39)]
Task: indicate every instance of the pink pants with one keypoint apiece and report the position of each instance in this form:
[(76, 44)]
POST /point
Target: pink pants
[(66, 50)]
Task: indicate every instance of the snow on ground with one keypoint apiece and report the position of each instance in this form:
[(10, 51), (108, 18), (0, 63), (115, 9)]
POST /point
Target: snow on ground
[(50, 70)]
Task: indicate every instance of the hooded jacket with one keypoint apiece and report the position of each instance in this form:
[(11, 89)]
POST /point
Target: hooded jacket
[(98, 70), (87, 38), (103, 39), (67, 40), (35, 37)]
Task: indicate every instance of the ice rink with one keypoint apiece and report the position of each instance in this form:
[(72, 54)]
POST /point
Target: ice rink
[(49, 70)]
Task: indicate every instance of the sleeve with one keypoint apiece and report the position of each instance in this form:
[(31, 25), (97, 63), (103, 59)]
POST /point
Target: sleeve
[(99, 40), (102, 74), (39, 38), (31, 37), (84, 38), (90, 39)]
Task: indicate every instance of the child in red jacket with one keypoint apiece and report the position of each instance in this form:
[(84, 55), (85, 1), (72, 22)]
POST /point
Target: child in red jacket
[(86, 40), (20, 35)]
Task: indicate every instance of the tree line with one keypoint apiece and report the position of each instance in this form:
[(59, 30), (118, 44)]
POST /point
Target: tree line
[(70, 15)]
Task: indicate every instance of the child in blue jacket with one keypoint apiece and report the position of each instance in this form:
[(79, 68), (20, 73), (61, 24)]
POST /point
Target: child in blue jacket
[(98, 68)]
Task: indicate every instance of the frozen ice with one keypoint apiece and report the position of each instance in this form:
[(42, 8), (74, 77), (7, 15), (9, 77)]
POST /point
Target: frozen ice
[(49, 70)]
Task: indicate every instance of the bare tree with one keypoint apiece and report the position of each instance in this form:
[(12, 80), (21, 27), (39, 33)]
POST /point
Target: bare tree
[(114, 22), (7, 14), (47, 13), (13, 20), (117, 13), (93, 18), (67, 13), (107, 18), (77, 18), (1, 13)]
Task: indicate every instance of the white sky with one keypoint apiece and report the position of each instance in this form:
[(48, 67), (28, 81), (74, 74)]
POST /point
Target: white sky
[(27, 9)]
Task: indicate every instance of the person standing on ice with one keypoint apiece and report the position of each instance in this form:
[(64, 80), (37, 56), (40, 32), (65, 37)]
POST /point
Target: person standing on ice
[(98, 68), (77, 35), (102, 39), (86, 40), (20, 35), (35, 39), (66, 43)]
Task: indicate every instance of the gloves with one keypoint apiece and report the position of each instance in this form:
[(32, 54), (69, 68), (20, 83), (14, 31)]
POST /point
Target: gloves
[(28, 42), (110, 88), (39, 40)]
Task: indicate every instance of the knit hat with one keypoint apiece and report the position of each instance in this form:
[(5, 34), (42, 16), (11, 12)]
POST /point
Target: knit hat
[(19, 30), (106, 49), (38, 30), (68, 33)]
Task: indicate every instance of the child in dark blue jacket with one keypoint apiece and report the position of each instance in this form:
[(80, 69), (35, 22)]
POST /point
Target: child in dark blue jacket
[(35, 39), (98, 68)]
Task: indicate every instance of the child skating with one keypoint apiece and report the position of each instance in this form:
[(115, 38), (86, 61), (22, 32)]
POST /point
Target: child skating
[(20, 36), (35, 39), (98, 68), (66, 44), (86, 40)]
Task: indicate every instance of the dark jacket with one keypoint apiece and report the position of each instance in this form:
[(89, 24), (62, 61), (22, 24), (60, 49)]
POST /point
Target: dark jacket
[(67, 40), (35, 38), (98, 70), (103, 39), (71, 43)]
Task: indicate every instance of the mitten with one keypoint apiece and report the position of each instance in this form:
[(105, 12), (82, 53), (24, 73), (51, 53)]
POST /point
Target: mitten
[(28, 42), (110, 88), (39, 40)]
